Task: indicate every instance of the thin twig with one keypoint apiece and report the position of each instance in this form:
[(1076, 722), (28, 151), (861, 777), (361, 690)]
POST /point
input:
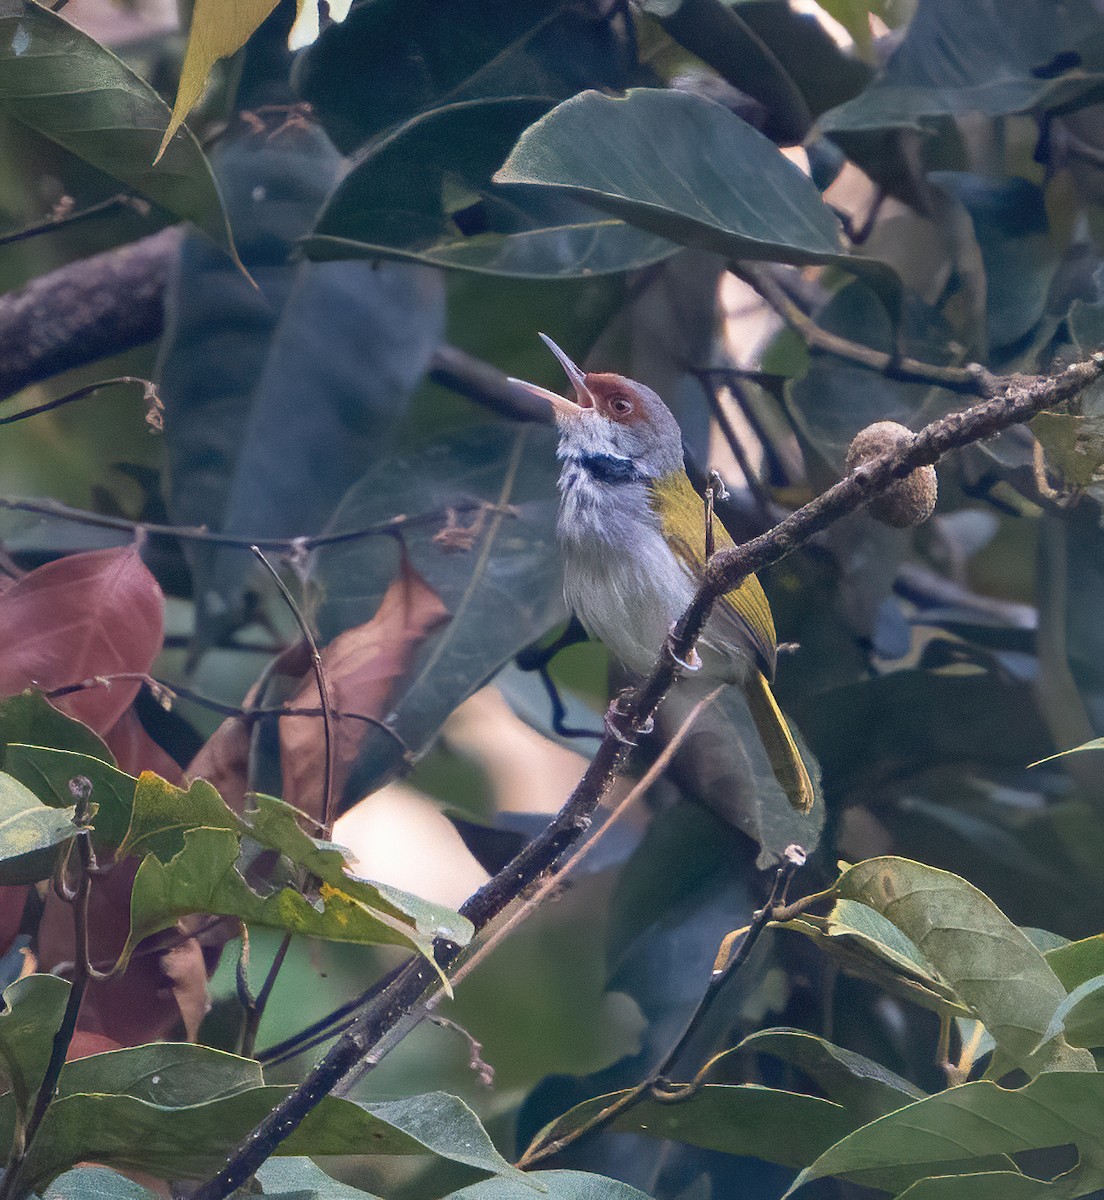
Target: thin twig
[(200, 533), (1018, 400), (657, 1085), (324, 693), (149, 391), (255, 1008), (973, 380), (121, 200), (81, 788)]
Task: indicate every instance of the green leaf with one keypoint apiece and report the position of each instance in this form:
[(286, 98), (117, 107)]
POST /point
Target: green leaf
[(1004, 72), (864, 1087), (1080, 1017), (33, 1010), (70, 89), (192, 842), (191, 1141), (301, 1179), (784, 1127), (398, 202), (31, 719), (867, 945), (556, 1185), (30, 833), (952, 1131), (1074, 446), (169, 1074), (95, 1183), (719, 184), (1076, 962), (47, 773), (988, 961), (503, 590), (394, 59)]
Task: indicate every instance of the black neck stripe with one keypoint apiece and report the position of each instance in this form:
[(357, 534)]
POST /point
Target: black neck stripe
[(608, 468)]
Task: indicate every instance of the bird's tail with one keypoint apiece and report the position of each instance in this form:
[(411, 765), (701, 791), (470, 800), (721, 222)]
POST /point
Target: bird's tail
[(785, 758)]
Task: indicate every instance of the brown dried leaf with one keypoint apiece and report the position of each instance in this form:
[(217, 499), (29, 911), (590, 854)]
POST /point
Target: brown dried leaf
[(223, 760), (135, 751), (93, 614), (363, 667)]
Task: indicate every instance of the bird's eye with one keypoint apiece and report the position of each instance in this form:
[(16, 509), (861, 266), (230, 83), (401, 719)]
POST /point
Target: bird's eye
[(622, 405)]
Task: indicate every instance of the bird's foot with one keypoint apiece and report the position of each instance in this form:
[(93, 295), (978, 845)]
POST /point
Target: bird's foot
[(692, 662), (615, 716)]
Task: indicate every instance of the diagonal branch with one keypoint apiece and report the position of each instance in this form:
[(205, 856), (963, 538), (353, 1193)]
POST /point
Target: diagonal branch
[(401, 1005)]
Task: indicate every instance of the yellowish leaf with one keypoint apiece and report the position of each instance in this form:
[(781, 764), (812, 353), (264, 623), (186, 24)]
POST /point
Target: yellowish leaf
[(219, 29)]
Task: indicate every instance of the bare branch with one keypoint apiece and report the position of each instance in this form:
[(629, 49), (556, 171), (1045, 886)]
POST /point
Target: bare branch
[(85, 311)]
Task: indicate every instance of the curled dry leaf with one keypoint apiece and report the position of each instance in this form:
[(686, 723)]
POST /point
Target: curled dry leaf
[(165, 983), (99, 613), (363, 667)]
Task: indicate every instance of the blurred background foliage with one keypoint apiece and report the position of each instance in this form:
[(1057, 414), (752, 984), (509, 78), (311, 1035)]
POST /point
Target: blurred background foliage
[(357, 374)]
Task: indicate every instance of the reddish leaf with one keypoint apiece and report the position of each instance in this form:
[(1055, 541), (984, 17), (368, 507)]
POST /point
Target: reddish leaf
[(163, 986), (363, 667), (97, 613), (12, 900), (223, 760)]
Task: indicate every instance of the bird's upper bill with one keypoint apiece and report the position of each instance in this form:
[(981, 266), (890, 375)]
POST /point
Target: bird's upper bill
[(584, 398)]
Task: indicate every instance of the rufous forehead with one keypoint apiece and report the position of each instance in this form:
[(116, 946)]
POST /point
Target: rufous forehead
[(607, 388)]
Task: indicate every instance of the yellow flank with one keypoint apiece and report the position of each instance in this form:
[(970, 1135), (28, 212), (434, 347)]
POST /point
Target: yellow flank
[(681, 512)]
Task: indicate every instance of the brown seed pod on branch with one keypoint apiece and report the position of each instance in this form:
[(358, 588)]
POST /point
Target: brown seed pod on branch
[(910, 501)]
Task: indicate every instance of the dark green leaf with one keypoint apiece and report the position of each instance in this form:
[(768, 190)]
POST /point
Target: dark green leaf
[(69, 88), (30, 833), (394, 59), (1018, 252), (31, 719), (191, 1141), (865, 1088), (784, 1127), (169, 1074), (47, 773), (33, 1009), (989, 962), (953, 1131), (555, 1185), (719, 184), (402, 197), (1006, 70), (503, 590), (237, 362)]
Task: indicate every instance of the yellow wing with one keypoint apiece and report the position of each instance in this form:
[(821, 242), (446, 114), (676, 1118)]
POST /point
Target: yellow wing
[(745, 610)]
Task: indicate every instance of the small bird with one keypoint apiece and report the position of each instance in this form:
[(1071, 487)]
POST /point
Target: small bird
[(632, 530)]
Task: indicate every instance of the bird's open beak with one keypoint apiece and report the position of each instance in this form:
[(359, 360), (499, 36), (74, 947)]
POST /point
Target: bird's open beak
[(583, 398)]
